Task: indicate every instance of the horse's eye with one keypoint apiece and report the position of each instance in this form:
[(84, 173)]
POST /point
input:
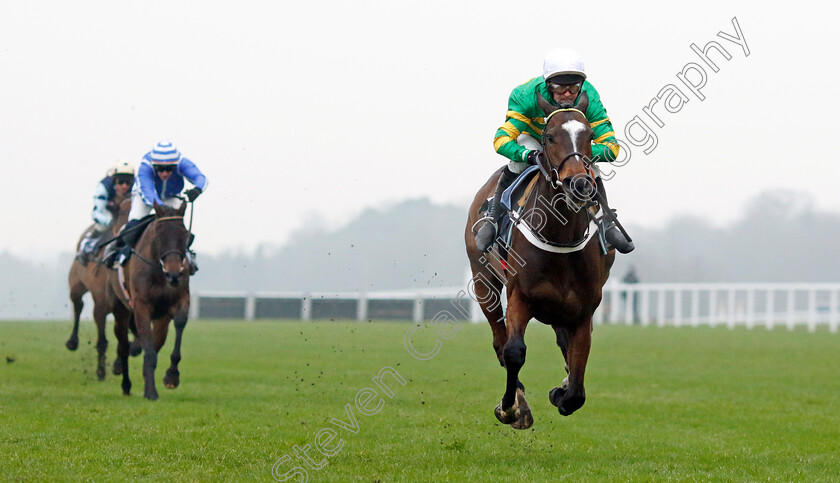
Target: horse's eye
[(549, 138)]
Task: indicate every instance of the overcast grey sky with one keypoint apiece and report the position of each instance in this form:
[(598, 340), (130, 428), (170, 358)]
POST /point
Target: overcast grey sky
[(302, 111)]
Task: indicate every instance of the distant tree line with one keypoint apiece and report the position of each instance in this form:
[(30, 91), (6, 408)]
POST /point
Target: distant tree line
[(780, 237)]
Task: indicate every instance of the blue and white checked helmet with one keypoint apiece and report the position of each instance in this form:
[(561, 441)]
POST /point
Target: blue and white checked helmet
[(164, 152)]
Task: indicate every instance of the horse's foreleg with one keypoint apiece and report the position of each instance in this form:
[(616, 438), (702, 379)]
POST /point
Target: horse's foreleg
[(136, 349), (486, 289), (563, 342), (144, 332), (571, 395), (77, 290), (121, 316), (160, 329), (499, 339), (514, 408), (172, 377), (99, 315)]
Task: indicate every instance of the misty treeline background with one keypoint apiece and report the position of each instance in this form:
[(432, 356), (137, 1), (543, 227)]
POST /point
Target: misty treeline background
[(779, 237)]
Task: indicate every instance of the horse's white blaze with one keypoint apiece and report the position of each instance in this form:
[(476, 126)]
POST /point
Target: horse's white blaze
[(573, 127)]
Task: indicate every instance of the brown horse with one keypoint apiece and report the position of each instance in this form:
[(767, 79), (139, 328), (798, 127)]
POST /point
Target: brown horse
[(93, 278), (157, 291), (559, 282)]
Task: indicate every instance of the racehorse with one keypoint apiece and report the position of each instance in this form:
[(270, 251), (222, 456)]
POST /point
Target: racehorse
[(558, 283), (157, 290), (93, 278)]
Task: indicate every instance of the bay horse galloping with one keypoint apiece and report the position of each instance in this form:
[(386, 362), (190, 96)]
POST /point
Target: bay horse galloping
[(92, 277), (156, 291), (555, 268)]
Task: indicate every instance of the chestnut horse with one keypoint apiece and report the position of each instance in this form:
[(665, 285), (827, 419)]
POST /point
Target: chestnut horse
[(558, 283), (157, 290), (93, 278)]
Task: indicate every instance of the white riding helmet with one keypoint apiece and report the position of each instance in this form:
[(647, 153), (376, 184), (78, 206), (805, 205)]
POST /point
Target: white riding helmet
[(563, 61), (122, 167)]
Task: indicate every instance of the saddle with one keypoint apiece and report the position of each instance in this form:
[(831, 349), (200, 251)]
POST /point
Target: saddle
[(89, 246), (513, 199)]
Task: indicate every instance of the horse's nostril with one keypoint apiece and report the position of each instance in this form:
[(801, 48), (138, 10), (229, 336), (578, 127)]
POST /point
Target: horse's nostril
[(583, 187)]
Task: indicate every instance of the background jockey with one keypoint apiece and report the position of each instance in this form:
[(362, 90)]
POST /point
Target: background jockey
[(160, 179), (116, 183), (519, 138)]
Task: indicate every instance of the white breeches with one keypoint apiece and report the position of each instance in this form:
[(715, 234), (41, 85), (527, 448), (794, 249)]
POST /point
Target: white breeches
[(139, 208)]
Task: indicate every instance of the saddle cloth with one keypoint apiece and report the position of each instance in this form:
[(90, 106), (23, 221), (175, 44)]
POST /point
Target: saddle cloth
[(513, 198)]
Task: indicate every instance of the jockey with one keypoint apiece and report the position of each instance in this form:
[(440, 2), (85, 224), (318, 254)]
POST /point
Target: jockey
[(519, 138), (118, 181), (160, 179)]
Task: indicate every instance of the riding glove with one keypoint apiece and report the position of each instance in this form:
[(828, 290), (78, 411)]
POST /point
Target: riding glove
[(533, 157), (192, 194)]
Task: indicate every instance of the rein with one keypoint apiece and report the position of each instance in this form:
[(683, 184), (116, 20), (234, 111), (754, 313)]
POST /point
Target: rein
[(552, 174), (141, 257), (183, 255), (552, 177)]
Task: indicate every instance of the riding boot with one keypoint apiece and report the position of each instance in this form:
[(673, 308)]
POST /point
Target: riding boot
[(486, 235), (191, 261), (125, 244), (87, 247), (111, 251), (191, 255), (613, 235)]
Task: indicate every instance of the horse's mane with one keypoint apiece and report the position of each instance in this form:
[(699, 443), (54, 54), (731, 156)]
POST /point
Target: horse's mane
[(165, 210)]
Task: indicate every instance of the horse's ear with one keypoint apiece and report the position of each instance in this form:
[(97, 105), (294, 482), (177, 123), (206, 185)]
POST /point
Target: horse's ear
[(582, 102), (182, 209), (157, 208), (546, 106)]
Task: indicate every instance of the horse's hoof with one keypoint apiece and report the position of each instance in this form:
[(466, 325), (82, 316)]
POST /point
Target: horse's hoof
[(117, 368), (136, 349), (525, 420), (72, 344), (507, 417), (100, 373), (151, 395), (565, 405), (571, 405), (556, 396), (171, 380)]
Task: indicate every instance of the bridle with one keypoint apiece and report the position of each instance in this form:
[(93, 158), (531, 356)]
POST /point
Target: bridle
[(552, 174), (182, 254)]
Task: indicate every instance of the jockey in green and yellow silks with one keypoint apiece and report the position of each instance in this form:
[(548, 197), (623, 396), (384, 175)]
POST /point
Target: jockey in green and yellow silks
[(518, 139), (524, 116)]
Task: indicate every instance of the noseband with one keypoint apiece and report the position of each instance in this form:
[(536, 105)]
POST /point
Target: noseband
[(162, 257), (552, 174)]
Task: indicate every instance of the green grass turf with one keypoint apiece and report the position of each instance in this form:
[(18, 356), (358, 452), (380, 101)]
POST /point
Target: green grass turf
[(663, 404)]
